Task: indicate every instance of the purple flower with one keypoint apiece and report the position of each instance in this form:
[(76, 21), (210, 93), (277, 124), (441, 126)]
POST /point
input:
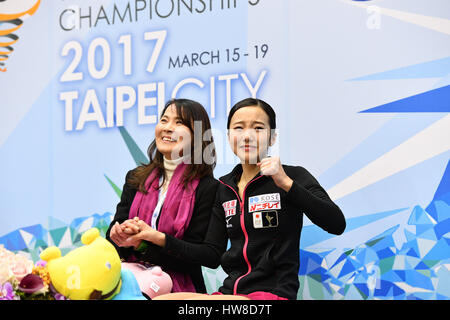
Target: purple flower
[(6, 291), (56, 294), (31, 283), (40, 263), (59, 296)]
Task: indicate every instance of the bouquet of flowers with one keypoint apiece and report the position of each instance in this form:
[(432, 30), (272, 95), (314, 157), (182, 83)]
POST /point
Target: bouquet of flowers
[(21, 279)]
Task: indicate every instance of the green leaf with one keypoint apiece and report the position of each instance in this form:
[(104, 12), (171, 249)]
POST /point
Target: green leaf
[(113, 185)]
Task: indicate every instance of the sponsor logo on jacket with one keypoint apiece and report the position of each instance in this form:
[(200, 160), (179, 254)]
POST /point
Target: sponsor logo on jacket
[(269, 201), (230, 208)]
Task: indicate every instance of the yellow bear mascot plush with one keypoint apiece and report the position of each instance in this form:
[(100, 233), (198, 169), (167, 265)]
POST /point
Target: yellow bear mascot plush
[(90, 272)]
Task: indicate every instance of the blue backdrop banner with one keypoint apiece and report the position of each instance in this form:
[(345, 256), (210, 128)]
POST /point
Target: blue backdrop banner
[(362, 95)]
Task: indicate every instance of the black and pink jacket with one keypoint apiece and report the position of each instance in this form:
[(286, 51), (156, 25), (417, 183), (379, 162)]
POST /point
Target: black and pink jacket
[(264, 230)]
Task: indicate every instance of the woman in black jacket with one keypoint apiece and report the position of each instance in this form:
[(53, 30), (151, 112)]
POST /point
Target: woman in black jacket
[(259, 207), (172, 194)]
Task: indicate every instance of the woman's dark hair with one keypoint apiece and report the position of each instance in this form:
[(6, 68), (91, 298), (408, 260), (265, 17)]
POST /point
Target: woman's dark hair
[(188, 111), (250, 102)]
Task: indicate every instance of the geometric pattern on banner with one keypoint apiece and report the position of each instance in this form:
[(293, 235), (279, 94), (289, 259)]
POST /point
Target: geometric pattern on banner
[(378, 269), (436, 100), (32, 240)]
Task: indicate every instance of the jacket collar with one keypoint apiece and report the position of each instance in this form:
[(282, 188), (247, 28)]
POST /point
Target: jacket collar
[(231, 179)]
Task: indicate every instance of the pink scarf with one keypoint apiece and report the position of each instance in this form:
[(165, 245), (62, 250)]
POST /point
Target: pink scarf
[(176, 213)]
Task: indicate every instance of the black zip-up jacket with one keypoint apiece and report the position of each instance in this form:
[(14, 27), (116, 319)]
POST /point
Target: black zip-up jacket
[(194, 234), (264, 230)]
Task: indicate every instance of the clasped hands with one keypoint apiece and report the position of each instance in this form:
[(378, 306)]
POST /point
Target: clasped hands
[(131, 232)]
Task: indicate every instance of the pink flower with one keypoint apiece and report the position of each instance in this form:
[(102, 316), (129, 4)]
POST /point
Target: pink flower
[(5, 272), (20, 266), (6, 257), (5, 254), (13, 266)]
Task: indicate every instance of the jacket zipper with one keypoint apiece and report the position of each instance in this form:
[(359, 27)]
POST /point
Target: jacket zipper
[(244, 249)]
